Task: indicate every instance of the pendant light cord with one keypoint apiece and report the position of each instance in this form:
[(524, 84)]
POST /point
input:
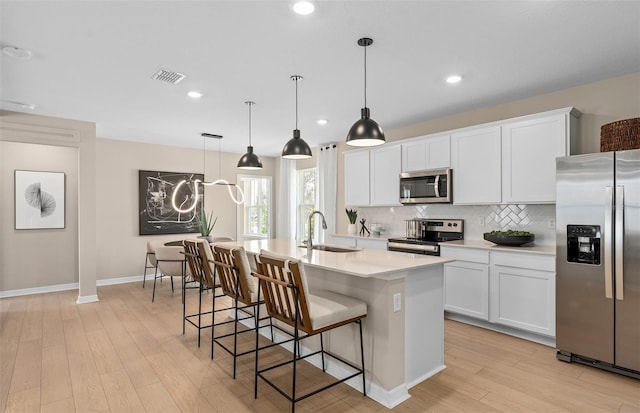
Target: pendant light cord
[(249, 104), (296, 79), (365, 76)]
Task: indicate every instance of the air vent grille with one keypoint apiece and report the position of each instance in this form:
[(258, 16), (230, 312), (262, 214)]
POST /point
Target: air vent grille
[(168, 76)]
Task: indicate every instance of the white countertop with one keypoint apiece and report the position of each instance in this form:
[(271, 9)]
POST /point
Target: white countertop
[(365, 263), (482, 244), (381, 237)]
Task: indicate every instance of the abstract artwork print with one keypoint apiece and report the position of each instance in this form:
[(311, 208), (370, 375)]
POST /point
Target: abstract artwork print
[(39, 200)]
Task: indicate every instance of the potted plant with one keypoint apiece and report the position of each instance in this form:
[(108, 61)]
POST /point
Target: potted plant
[(352, 214), (206, 224)]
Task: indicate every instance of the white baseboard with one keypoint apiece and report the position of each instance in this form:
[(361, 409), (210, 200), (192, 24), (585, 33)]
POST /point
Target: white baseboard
[(71, 286), (38, 290), (84, 299)]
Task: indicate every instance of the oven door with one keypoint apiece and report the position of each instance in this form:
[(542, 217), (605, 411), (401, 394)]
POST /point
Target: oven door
[(425, 187), (424, 249)]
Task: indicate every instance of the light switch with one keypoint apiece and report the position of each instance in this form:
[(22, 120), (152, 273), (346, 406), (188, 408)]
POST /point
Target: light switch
[(397, 302)]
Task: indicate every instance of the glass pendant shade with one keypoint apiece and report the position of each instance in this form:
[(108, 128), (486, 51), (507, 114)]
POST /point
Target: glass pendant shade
[(365, 132), (250, 160), (296, 148)]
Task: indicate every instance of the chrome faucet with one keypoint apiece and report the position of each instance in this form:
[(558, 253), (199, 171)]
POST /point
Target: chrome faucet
[(324, 226)]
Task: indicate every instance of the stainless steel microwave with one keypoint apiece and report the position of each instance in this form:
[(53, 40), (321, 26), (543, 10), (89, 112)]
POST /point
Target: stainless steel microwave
[(425, 187)]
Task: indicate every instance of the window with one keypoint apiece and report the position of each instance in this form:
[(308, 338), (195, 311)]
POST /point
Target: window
[(256, 210), (305, 199)]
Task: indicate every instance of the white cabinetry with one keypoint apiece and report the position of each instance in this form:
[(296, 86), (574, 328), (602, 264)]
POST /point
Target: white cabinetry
[(356, 178), (385, 165), (432, 152), (466, 282), (529, 151), (351, 241), (522, 291), (476, 164), (502, 288)]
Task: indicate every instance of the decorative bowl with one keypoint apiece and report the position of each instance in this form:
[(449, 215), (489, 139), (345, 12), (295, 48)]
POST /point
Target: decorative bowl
[(509, 240)]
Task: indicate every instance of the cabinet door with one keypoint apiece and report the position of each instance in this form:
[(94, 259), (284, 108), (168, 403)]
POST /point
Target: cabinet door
[(529, 151), (385, 166), (432, 152), (438, 152), (414, 155), (476, 164), (466, 289), (523, 298), (356, 178)]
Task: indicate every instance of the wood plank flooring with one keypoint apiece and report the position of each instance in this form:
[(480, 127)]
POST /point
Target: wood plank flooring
[(127, 354)]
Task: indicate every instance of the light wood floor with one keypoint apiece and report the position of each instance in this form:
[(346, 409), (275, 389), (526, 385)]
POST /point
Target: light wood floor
[(125, 353)]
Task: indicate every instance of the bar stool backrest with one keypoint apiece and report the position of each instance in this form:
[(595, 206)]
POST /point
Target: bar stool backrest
[(200, 269), (280, 278), (234, 273)]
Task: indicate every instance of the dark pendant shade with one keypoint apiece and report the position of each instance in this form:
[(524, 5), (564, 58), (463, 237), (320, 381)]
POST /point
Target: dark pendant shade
[(296, 148), (250, 160), (365, 132)]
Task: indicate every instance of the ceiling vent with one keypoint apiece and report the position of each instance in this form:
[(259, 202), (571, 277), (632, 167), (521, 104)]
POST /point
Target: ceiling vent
[(168, 76)]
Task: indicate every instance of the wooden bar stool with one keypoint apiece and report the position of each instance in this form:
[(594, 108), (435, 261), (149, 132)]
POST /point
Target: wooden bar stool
[(236, 282), (288, 300)]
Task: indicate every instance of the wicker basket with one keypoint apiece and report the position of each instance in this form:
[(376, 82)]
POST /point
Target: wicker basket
[(620, 135)]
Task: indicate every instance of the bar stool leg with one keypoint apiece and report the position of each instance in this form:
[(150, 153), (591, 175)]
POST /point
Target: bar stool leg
[(364, 383)]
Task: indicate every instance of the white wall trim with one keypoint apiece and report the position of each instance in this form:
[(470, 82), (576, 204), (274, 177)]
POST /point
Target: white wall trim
[(71, 286), (87, 299), (38, 290)]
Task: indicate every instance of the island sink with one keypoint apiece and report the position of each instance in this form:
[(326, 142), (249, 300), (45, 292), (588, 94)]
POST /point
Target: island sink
[(331, 248)]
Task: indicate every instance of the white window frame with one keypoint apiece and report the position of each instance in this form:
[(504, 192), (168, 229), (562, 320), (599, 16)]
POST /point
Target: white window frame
[(241, 218), (301, 221)]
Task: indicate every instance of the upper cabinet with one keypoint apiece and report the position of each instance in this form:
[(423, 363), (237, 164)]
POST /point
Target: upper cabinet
[(529, 151), (475, 160), (356, 178), (511, 161), (432, 152), (384, 164), (372, 176)]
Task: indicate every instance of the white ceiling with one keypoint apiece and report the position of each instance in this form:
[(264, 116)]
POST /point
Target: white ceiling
[(93, 60)]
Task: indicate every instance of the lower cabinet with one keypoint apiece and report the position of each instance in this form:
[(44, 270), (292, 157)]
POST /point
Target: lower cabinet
[(507, 288), (466, 289), (368, 243), (523, 296)]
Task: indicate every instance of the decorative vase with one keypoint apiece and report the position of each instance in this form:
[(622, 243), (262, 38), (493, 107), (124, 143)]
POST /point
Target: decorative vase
[(351, 229), (208, 238)]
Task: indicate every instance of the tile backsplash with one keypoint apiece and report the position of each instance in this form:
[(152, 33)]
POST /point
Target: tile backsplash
[(478, 219)]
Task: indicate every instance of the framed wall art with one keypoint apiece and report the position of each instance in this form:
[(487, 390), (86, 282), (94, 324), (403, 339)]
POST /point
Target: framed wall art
[(39, 200), (157, 215)]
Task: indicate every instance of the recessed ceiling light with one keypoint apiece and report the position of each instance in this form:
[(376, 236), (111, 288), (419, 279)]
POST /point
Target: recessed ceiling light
[(322, 121), (303, 7), (454, 79), (17, 52), (21, 104), (194, 94)]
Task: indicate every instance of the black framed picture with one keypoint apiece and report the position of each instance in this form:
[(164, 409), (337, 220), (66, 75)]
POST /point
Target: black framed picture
[(39, 199), (157, 213)]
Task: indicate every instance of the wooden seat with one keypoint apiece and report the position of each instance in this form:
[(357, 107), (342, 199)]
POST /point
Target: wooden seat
[(198, 255), (287, 299), (236, 282)]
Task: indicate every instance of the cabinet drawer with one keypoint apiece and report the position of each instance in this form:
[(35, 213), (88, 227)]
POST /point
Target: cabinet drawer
[(465, 254), (531, 261)]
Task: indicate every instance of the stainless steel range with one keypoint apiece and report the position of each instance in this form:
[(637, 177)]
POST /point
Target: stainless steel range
[(424, 235)]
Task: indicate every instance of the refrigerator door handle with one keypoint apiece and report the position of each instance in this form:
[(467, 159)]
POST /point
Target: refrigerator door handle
[(619, 230), (608, 217)]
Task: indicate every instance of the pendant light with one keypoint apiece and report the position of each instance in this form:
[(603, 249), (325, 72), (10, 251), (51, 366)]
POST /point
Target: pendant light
[(366, 131), (250, 160), (296, 148), (188, 203)]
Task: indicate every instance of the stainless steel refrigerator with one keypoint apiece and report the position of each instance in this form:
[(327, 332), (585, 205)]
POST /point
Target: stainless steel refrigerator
[(598, 260)]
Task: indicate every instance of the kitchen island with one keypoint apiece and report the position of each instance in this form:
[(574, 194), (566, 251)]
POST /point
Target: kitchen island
[(404, 327)]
